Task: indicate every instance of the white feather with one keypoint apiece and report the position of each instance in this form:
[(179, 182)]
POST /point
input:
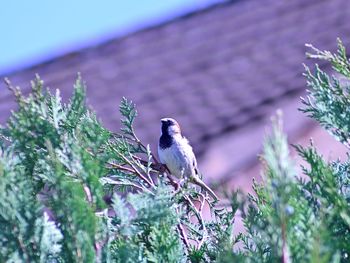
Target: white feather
[(179, 157)]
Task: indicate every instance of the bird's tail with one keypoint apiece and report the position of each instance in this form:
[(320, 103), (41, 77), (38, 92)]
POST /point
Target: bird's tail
[(200, 183)]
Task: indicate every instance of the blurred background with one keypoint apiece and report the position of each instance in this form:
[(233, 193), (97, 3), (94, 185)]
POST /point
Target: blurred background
[(221, 68)]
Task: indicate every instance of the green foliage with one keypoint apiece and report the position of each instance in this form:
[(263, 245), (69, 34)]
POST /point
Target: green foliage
[(58, 165), (151, 228), (26, 234), (56, 148), (328, 100), (304, 217), (72, 191)]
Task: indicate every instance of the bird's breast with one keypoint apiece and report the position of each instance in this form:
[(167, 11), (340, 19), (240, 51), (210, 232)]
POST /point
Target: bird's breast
[(178, 158)]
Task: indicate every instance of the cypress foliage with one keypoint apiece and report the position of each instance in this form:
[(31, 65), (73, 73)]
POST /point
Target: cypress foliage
[(72, 191)]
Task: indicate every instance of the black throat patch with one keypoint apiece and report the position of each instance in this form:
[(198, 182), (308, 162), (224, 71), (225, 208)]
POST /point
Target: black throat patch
[(165, 141)]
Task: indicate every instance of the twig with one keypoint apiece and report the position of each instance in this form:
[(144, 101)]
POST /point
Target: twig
[(137, 172), (161, 168), (87, 193), (139, 187), (204, 227), (175, 184), (194, 230), (120, 167), (200, 219), (99, 245), (135, 139), (146, 171), (133, 170), (111, 181), (183, 235), (202, 203)]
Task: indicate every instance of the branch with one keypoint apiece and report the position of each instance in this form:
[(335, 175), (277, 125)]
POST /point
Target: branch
[(145, 167), (87, 193), (136, 140), (137, 172), (202, 203), (199, 217), (120, 167), (138, 187), (161, 168), (183, 235), (202, 221)]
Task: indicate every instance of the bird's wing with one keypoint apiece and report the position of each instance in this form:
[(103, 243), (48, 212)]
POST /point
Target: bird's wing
[(197, 177), (192, 158), (160, 155)]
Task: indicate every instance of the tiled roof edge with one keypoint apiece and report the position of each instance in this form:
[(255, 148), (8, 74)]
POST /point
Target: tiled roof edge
[(78, 51)]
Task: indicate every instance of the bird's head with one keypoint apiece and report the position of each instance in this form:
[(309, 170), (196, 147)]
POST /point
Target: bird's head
[(170, 126)]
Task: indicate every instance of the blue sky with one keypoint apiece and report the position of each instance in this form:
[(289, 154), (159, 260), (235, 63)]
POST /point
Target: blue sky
[(35, 30)]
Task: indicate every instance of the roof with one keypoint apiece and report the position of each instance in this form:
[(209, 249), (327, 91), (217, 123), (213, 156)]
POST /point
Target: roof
[(215, 70)]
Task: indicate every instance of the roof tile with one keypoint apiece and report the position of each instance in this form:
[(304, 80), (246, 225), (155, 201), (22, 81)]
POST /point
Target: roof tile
[(214, 70)]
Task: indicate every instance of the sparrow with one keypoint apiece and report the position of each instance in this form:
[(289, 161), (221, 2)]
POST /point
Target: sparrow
[(177, 154)]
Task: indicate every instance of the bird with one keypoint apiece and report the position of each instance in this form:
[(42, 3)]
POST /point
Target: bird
[(176, 153)]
